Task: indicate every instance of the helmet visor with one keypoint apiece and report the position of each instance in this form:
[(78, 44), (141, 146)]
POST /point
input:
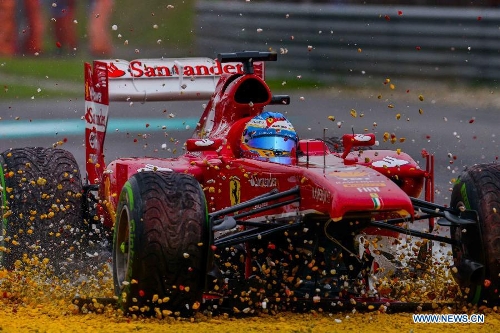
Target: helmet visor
[(277, 144)]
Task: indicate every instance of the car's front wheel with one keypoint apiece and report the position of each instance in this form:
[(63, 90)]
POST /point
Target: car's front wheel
[(160, 244)]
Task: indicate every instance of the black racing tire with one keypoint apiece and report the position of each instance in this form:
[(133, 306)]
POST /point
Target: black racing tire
[(478, 188), (160, 245), (41, 205)]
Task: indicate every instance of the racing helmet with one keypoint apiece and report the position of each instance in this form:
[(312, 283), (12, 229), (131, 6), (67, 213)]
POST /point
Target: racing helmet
[(269, 136)]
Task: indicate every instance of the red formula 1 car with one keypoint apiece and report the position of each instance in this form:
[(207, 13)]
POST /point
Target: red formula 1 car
[(249, 217)]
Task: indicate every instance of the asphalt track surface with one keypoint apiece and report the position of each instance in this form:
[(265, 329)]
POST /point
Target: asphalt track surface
[(460, 130)]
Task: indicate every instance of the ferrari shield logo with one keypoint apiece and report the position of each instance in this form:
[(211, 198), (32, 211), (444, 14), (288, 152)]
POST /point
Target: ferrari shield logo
[(234, 191)]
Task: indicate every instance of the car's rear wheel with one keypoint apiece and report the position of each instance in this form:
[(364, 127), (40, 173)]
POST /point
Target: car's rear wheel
[(478, 188), (41, 205), (160, 244)]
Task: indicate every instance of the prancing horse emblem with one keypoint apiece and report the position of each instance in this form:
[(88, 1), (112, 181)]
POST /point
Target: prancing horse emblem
[(235, 191)]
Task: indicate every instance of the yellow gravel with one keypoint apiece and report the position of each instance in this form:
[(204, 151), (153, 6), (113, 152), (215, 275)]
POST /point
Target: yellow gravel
[(49, 319), (33, 300)]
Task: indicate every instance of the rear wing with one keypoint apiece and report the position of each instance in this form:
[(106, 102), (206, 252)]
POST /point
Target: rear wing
[(142, 80), (165, 79)]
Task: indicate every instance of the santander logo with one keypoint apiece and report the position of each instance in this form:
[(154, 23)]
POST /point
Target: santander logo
[(138, 68), (114, 71), (95, 118)]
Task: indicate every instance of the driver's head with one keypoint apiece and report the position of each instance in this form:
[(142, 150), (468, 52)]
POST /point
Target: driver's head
[(269, 137)]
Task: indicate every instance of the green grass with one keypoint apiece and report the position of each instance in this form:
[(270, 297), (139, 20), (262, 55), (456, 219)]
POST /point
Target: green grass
[(70, 69), (39, 77), (143, 25), (23, 92)]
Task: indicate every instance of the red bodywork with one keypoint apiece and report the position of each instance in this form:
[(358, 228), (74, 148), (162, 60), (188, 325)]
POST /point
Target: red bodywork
[(369, 183)]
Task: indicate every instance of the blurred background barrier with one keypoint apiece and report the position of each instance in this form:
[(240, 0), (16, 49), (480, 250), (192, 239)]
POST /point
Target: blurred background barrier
[(348, 43), (322, 42)]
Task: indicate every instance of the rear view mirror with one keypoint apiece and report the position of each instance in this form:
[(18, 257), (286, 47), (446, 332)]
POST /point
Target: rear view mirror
[(203, 144), (357, 140), (280, 100)]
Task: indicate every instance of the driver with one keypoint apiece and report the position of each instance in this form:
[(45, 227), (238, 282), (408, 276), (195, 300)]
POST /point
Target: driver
[(269, 136)]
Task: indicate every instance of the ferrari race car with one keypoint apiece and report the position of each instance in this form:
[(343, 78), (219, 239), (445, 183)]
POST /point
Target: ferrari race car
[(249, 217)]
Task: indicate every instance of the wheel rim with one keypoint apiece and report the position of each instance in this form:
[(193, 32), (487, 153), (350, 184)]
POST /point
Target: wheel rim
[(122, 246)]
